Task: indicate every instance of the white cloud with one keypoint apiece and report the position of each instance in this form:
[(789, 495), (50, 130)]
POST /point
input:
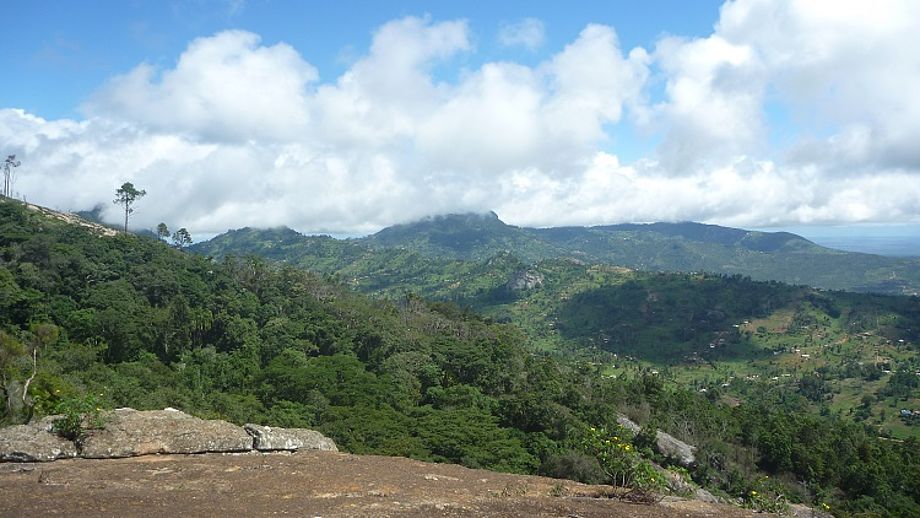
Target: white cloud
[(528, 33), (844, 65), (242, 133), (225, 87)]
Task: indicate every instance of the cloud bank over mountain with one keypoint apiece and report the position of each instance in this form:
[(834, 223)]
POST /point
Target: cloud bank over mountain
[(788, 112)]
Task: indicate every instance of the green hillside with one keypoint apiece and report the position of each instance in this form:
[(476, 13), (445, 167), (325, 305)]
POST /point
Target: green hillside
[(699, 329), (92, 320), (669, 247)]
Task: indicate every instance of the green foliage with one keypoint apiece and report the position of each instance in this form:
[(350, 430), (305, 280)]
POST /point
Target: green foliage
[(764, 497), (619, 459), (80, 415), (574, 465)]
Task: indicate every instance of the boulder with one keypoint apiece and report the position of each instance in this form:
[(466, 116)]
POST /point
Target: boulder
[(665, 443), (34, 442), (628, 423), (128, 433), (675, 449), (267, 438)]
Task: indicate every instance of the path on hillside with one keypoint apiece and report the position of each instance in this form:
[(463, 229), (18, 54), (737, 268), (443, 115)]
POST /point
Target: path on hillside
[(306, 484)]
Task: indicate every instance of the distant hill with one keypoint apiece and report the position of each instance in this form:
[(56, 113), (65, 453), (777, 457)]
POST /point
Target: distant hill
[(674, 247)]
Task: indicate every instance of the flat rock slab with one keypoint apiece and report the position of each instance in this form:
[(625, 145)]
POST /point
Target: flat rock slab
[(34, 442), (310, 483), (129, 433), (267, 438)]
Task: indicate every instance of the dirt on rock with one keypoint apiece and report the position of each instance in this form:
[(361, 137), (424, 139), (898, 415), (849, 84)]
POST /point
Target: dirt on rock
[(311, 483)]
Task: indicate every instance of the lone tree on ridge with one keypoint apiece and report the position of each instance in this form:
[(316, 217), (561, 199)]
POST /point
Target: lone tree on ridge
[(126, 196), (8, 165)]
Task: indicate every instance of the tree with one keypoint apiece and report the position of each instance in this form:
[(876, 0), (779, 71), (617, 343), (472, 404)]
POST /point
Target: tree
[(162, 231), (12, 352), (10, 163), (182, 238), (127, 195)]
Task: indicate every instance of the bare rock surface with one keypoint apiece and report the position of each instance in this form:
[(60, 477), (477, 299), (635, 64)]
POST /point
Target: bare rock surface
[(310, 483), (628, 423), (129, 433), (525, 280), (268, 438), (675, 449), (665, 443), (34, 442)]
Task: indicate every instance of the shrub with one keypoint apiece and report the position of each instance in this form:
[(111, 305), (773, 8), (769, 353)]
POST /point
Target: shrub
[(618, 458), (79, 415), (573, 465)]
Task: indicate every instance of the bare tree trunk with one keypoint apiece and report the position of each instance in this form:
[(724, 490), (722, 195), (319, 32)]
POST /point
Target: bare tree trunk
[(126, 218), (25, 387)]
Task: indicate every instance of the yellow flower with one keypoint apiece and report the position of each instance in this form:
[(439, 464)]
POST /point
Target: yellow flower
[(753, 493)]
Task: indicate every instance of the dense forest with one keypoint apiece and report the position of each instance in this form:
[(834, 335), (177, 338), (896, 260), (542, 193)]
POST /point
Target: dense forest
[(130, 321)]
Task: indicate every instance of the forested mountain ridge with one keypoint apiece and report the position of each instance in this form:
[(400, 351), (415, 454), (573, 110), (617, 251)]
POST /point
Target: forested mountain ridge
[(128, 321), (723, 335), (676, 247)]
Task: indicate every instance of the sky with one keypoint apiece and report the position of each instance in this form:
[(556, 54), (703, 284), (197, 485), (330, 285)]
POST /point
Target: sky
[(345, 117)]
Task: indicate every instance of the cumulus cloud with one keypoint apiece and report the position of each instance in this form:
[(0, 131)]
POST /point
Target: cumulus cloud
[(240, 132), (528, 33), (225, 87), (845, 65)]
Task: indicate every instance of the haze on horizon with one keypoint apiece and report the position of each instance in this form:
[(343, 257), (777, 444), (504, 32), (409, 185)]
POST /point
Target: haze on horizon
[(765, 114)]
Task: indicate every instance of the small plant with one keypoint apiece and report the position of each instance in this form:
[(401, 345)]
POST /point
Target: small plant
[(79, 415), (620, 461), (558, 490), (765, 498)]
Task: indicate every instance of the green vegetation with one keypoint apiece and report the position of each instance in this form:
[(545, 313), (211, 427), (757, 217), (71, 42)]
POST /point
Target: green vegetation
[(725, 335), (78, 417), (126, 196), (423, 250), (150, 326)]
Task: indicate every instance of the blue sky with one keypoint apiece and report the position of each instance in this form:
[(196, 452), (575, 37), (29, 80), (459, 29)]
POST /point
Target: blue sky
[(81, 44), (345, 117)]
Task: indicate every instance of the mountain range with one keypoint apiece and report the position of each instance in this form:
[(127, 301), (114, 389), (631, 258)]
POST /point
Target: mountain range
[(672, 247)]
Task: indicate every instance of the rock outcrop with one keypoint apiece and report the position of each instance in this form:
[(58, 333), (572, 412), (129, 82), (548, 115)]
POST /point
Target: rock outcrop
[(267, 438), (34, 442), (526, 280), (675, 449), (130, 433), (666, 444)]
